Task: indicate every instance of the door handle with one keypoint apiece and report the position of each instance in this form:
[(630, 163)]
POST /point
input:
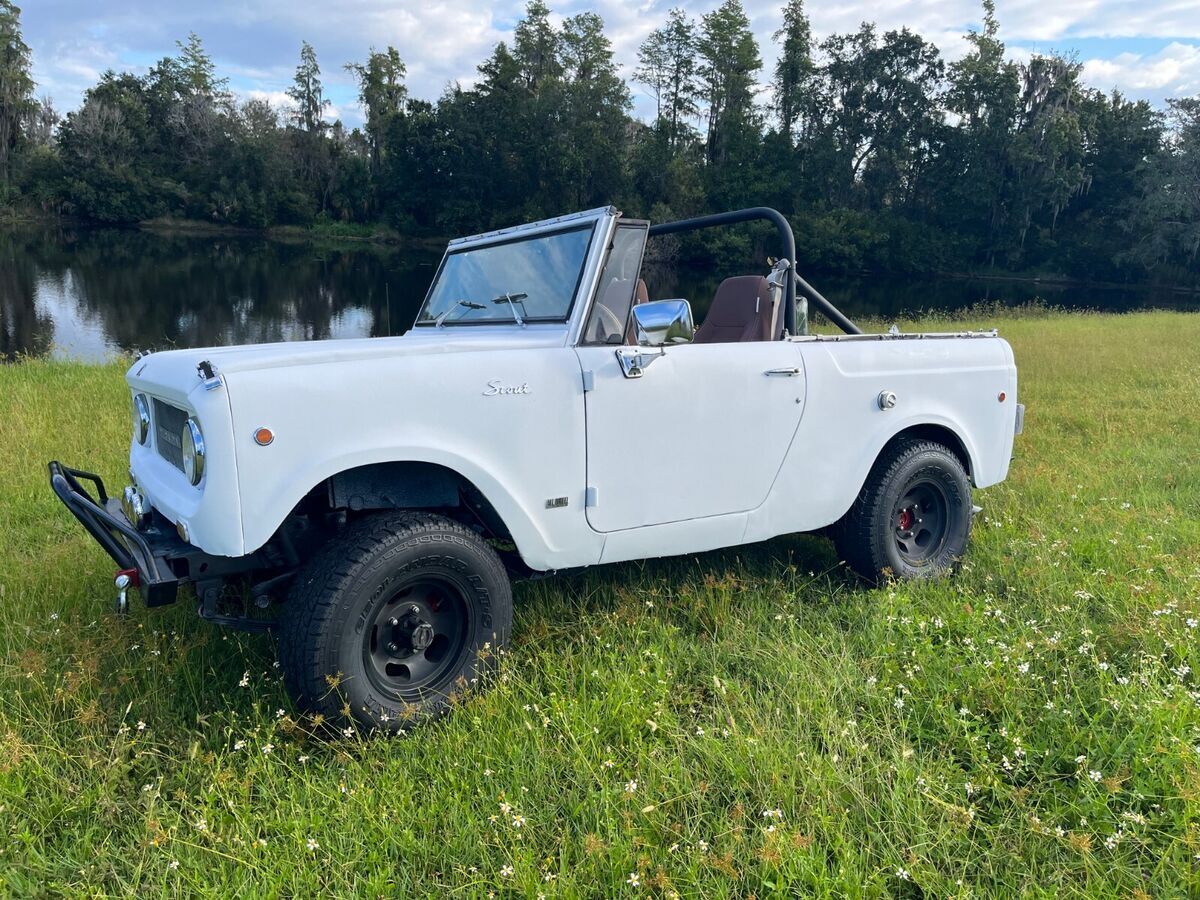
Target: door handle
[(789, 372)]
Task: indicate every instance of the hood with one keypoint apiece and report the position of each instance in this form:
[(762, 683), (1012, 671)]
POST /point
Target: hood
[(175, 370)]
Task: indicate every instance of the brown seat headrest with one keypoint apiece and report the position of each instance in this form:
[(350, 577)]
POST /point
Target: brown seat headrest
[(741, 311)]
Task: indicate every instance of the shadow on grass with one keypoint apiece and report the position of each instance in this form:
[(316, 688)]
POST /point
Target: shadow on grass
[(204, 665)]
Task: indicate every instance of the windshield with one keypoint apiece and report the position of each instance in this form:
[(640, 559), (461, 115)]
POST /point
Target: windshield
[(531, 279)]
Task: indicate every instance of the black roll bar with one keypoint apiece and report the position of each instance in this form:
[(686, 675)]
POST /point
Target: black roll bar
[(781, 224)]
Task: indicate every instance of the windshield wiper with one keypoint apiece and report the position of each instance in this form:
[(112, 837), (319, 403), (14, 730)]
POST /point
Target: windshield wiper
[(464, 303), (512, 300)]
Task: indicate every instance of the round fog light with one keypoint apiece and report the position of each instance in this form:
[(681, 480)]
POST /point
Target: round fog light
[(193, 451)]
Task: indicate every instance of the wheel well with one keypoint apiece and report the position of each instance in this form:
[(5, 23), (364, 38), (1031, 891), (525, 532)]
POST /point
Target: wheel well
[(403, 485), (939, 434)]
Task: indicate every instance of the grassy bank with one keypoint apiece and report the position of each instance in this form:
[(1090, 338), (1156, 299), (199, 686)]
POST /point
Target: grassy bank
[(743, 722)]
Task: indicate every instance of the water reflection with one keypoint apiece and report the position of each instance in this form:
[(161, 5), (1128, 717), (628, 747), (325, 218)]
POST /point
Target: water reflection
[(87, 293)]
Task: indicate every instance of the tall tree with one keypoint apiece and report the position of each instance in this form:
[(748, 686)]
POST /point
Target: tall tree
[(535, 45), (1046, 164), (16, 85), (730, 62), (1165, 224), (596, 105), (983, 93), (667, 65), (794, 70), (198, 73), (307, 92), (382, 93)]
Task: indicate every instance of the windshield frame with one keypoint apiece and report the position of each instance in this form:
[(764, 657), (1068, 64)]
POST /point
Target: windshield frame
[(590, 225)]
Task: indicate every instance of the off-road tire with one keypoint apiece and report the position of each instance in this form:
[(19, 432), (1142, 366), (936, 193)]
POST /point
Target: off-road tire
[(870, 537), (327, 648)]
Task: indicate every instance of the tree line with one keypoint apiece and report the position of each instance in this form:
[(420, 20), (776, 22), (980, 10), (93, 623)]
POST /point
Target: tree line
[(884, 156)]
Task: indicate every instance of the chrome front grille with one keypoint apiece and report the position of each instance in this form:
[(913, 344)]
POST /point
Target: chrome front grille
[(168, 432)]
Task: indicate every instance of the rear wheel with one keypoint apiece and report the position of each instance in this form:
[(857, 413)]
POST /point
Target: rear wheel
[(393, 619), (912, 518)]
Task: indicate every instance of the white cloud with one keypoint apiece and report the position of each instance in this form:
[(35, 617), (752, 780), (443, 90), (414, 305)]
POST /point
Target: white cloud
[(1173, 71)]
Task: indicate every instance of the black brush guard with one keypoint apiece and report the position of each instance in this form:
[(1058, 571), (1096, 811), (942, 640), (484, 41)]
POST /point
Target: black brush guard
[(147, 552)]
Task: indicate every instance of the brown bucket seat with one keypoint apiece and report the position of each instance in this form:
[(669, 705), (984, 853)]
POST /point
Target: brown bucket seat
[(741, 311)]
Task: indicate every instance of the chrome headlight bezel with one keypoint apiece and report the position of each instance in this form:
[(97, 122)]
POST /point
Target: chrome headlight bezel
[(192, 440), (141, 419)]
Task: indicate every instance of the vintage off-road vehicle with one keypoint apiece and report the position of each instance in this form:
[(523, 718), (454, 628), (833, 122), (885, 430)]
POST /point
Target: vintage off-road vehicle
[(542, 414)]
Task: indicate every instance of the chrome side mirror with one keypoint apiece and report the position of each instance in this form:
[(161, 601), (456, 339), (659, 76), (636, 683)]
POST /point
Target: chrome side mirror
[(663, 322), (656, 325)]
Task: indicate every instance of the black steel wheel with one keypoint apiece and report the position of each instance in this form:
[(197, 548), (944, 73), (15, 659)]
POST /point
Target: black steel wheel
[(922, 522), (416, 637), (912, 518), (393, 620)]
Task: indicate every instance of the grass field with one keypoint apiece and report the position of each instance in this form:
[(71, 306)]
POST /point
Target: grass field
[(748, 722)]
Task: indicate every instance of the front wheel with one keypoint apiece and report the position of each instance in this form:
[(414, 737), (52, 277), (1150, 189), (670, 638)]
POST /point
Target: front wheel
[(393, 619), (912, 518)]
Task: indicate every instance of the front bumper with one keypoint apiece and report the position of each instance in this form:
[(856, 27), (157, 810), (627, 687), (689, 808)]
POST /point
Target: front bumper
[(149, 551)]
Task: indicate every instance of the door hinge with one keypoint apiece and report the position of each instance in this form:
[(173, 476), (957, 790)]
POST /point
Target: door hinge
[(590, 500), (589, 381)]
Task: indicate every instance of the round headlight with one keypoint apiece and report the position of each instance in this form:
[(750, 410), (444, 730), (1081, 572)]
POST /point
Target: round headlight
[(193, 451), (141, 419)]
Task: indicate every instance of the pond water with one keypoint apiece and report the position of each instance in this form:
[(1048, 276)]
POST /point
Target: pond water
[(89, 293)]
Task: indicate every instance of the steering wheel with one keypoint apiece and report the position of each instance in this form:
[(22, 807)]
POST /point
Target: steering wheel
[(610, 320)]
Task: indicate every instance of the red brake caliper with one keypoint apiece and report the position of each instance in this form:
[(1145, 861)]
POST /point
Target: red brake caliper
[(906, 519)]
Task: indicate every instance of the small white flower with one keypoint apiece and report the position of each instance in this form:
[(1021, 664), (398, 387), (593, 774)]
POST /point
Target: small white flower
[(268, 749), (173, 864), (518, 821), (312, 844), (279, 713), (239, 745), (903, 874), (506, 871), (245, 682), (630, 787), (1094, 775), (633, 880), (141, 726)]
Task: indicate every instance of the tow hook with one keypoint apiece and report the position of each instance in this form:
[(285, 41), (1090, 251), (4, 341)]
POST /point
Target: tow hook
[(126, 578)]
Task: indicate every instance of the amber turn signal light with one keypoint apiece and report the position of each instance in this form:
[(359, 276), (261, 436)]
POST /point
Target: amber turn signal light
[(263, 436)]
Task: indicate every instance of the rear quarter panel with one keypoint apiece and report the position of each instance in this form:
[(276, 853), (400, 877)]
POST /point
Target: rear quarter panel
[(954, 382)]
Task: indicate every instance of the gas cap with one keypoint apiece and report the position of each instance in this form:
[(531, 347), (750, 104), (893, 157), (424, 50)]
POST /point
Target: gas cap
[(887, 400)]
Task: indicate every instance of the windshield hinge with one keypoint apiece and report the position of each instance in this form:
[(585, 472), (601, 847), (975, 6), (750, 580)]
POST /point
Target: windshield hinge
[(589, 381), (590, 498)]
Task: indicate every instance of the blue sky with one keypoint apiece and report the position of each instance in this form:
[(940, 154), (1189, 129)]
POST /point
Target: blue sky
[(1147, 48)]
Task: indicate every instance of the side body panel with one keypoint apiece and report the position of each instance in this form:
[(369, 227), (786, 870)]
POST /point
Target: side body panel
[(954, 382), (701, 434), (510, 421)]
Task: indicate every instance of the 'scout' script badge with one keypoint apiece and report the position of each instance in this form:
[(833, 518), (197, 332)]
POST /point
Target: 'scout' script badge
[(497, 387)]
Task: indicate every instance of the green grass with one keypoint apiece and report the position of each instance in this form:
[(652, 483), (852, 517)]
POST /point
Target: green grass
[(744, 722)]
